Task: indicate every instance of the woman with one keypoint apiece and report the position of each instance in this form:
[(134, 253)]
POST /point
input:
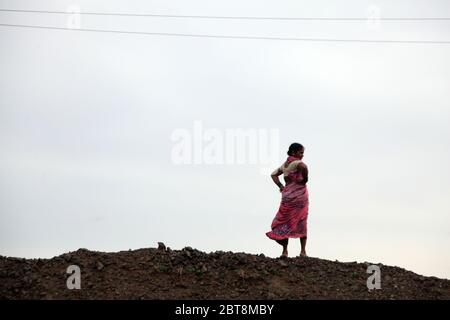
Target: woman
[(291, 218)]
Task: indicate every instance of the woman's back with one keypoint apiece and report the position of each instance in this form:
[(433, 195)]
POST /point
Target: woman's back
[(292, 171)]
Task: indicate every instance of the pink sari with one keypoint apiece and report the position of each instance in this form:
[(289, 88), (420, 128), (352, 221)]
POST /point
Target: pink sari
[(291, 218)]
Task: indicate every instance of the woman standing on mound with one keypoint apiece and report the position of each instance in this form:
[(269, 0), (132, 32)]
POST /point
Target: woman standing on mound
[(291, 218)]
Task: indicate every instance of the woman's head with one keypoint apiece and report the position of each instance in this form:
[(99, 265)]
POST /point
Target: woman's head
[(296, 150)]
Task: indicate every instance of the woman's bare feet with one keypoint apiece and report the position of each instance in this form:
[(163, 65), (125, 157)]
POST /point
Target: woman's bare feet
[(284, 243), (303, 249)]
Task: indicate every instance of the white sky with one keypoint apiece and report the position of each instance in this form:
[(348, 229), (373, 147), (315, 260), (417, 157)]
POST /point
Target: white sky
[(86, 122)]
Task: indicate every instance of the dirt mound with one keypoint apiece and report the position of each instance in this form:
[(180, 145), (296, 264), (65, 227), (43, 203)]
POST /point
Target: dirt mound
[(191, 274)]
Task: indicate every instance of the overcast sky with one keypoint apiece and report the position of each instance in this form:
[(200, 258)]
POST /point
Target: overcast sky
[(87, 121)]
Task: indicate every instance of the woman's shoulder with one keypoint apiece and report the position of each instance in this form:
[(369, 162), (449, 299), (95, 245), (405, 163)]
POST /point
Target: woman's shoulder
[(301, 164)]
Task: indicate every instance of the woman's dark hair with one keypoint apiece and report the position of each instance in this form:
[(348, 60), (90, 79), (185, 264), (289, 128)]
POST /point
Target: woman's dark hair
[(294, 148)]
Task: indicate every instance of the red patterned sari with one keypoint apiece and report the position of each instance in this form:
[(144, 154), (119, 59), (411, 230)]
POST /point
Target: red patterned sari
[(291, 218)]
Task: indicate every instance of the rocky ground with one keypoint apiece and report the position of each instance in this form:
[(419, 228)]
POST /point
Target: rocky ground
[(162, 273)]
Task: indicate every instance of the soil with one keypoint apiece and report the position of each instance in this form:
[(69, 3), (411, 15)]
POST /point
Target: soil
[(162, 273)]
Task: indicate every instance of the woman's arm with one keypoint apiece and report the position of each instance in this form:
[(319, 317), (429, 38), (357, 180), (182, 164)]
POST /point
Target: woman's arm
[(276, 180)]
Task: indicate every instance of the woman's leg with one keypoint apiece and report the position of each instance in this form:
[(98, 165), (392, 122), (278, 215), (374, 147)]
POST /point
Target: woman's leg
[(303, 244), (284, 243)]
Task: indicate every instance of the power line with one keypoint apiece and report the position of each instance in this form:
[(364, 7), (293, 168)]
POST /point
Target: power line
[(229, 36), (230, 17)]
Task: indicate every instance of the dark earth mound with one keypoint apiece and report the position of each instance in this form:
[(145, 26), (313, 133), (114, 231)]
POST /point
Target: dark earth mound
[(191, 274)]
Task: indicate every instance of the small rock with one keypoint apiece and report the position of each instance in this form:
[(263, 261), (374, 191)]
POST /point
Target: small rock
[(271, 296), (100, 266), (283, 263), (161, 246)]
